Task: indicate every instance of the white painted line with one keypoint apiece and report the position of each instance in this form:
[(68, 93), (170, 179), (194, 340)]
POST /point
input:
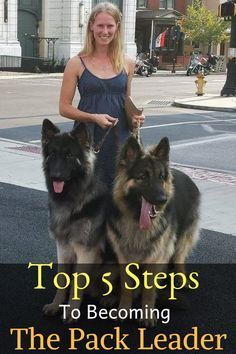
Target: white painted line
[(16, 142), (226, 120), (35, 141), (182, 123), (205, 141), (204, 116), (208, 128)]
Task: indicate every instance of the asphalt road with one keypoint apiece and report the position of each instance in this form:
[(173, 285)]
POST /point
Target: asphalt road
[(199, 139), (203, 139), (27, 100)]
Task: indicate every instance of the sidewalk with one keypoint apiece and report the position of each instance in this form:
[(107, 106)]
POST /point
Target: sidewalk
[(7, 75), (208, 102), (21, 165)]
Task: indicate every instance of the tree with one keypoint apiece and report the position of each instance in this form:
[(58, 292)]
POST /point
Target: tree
[(203, 26)]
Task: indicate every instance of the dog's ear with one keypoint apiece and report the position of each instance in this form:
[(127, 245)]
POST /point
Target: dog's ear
[(81, 133), (161, 151), (130, 152), (48, 131)]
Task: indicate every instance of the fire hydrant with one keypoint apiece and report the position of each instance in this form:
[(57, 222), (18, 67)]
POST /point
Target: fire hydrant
[(200, 83)]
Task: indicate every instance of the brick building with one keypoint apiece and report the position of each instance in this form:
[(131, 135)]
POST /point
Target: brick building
[(157, 16)]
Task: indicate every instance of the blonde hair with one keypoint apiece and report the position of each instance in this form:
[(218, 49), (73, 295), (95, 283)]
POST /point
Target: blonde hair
[(115, 49)]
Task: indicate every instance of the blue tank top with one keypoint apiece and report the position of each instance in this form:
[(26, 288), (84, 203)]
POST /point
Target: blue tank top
[(105, 96)]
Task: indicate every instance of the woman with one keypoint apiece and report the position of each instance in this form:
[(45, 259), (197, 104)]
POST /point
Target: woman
[(103, 75)]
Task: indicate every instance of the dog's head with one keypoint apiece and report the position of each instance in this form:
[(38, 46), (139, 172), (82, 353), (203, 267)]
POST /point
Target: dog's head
[(144, 181), (66, 156)]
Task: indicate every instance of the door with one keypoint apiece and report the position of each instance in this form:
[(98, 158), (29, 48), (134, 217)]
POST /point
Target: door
[(27, 29)]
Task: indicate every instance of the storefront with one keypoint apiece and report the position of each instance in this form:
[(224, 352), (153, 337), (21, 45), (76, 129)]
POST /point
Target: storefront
[(158, 33)]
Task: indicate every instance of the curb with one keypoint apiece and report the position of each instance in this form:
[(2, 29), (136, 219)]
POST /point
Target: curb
[(162, 73), (201, 107), (29, 76)]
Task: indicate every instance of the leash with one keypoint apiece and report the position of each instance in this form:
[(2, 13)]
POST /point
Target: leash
[(98, 147), (130, 110), (136, 132)]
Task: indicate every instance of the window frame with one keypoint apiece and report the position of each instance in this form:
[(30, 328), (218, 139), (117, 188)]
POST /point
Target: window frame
[(164, 4), (138, 6), (5, 10)]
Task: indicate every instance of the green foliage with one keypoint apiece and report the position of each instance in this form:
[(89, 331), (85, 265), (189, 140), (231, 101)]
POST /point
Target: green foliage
[(203, 26)]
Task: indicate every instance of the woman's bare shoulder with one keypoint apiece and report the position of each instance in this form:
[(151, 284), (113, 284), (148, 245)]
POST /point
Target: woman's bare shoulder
[(128, 59), (129, 64), (75, 66), (74, 62)]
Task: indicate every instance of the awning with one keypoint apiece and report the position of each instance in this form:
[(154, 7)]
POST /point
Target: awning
[(162, 16)]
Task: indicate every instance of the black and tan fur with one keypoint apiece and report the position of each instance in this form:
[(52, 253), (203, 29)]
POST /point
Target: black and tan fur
[(76, 199), (167, 237)]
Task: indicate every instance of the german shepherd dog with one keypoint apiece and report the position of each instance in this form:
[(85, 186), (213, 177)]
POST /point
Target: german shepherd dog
[(155, 215), (77, 201)]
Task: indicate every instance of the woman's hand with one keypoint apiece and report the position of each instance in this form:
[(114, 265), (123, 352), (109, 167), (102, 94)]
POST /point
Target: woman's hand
[(138, 120), (104, 120)]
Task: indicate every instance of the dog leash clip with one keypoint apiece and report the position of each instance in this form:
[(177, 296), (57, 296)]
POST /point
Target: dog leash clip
[(96, 150)]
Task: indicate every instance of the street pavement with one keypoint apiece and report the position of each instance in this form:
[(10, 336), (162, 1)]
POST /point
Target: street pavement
[(217, 188), (206, 102)]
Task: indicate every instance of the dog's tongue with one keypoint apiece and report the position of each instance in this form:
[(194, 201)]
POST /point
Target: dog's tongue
[(58, 186), (145, 220)]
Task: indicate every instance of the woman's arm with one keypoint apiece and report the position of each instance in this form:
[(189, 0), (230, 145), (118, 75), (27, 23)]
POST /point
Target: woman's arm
[(130, 65), (73, 71)]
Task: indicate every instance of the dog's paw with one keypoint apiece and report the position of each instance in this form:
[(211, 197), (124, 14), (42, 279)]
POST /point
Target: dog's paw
[(68, 319), (51, 309), (122, 306), (148, 322), (72, 313), (109, 301)]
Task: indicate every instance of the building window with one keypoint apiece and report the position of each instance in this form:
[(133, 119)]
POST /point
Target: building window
[(5, 11), (118, 3), (141, 4), (195, 45), (166, 4)]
